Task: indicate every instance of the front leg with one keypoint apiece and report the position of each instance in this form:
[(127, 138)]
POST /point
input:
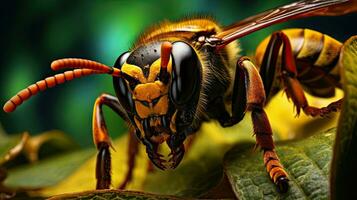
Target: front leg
[(102, 139), (253, 99)]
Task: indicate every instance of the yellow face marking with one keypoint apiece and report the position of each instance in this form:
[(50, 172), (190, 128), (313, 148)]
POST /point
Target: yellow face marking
[(147, 92), (161, 106), (149, 89), (155, 69), (134, 71), (142, 110), (137, 73)]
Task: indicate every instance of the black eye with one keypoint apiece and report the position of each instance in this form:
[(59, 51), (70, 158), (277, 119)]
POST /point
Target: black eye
[(121, 60), (121, 88), (186, 75)]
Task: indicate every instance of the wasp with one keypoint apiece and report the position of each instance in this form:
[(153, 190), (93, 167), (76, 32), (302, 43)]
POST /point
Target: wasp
[(180, 74)]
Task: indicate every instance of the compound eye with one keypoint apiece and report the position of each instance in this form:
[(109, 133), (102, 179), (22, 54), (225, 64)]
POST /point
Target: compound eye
[(121, 59), (121, 88), (186, 75)]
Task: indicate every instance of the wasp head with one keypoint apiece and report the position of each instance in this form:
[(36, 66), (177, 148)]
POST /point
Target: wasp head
[(160, 92)]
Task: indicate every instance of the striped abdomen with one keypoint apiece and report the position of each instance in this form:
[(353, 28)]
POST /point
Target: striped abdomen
[(316, 56)]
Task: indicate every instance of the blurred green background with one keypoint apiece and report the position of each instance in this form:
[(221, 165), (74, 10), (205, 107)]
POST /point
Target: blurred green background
[(34, 33)]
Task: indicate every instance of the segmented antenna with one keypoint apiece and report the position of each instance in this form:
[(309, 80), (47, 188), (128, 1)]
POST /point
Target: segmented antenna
[(68, 63), (42, 85), (165, 58), (86, 67)]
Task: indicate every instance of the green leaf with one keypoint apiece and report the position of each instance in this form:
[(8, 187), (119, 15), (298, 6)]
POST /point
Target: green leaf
[(307, 162), (113, 194), (345, 152), (46, 172)]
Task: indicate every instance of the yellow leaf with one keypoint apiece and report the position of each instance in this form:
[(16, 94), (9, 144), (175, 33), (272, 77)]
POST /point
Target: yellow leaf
[(84, 177)]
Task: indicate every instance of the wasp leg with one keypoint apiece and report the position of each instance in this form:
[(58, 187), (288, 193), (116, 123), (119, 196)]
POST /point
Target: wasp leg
[(251, 88), (288, 72), (102, 140), (263, 133), (133, 148)]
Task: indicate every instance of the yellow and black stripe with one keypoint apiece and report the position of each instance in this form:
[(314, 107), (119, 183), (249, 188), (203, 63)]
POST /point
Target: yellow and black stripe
[(316, 56)]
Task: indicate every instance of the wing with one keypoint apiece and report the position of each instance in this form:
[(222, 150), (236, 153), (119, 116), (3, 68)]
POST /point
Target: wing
[(295, 10)]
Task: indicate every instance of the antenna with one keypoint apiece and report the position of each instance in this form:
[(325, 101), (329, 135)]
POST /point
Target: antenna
[(84, 68), (44, 84), (70, 63), (166, 48)]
